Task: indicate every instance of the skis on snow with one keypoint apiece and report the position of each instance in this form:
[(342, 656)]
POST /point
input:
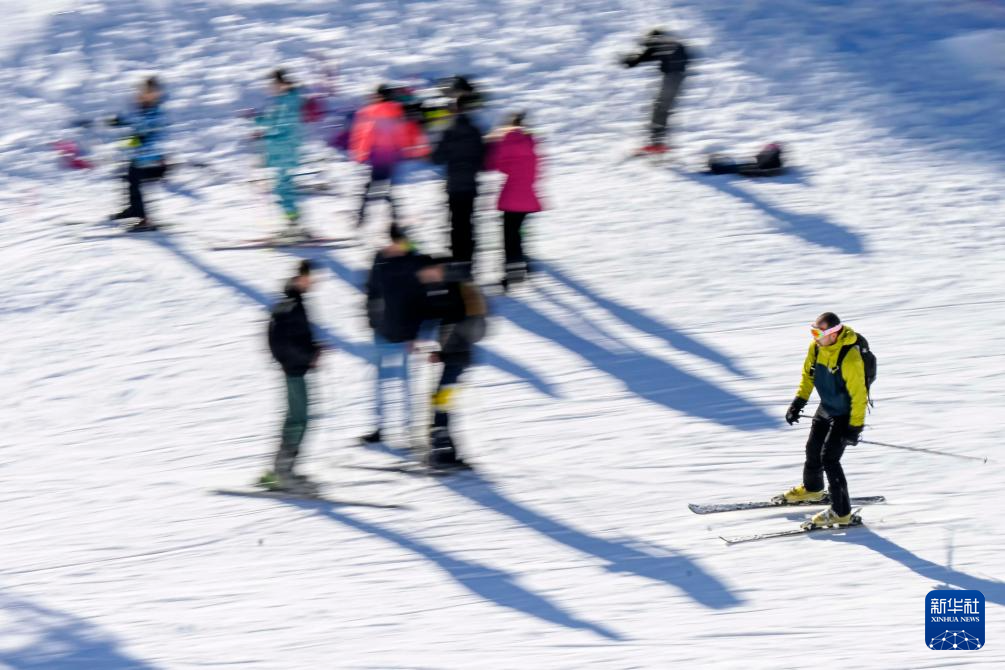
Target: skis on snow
[(283, 243), (803, 529), (714, 508), (251, 492)]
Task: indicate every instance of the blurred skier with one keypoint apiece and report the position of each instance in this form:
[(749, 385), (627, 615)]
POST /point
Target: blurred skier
[(460, 309), (834, 366), (394, 308), (660, 47), (292, 344), (146, 160), (282, 133), (380, 138), (462, 150), (513, 151)]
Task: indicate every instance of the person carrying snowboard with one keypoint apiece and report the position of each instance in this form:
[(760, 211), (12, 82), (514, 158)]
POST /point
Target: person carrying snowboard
[(658, 46), (838, 420), (146, 159), (281, 130), (292, 343)]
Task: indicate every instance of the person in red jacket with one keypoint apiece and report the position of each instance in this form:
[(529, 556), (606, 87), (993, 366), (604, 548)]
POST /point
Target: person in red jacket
[(513, 151), (381, 137)]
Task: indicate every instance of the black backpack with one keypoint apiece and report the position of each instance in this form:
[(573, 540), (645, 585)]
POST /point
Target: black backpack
[(868, 360)]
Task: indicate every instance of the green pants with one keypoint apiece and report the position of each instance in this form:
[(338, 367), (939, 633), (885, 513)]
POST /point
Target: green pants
[(296, 415)]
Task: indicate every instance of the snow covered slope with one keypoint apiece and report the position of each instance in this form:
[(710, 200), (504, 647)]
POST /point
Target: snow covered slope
[(647, 366)]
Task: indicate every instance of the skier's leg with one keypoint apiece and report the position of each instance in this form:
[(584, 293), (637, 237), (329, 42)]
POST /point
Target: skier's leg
[(134, 177), (380, 347), (813, 469), (515, 267), (286, 192), (462, 242), (294, 426), (442, 448), (360, 218), (837, 485), (663, 105)]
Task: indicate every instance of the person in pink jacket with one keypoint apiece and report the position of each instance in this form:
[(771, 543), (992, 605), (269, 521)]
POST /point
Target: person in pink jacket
[(512, 151)]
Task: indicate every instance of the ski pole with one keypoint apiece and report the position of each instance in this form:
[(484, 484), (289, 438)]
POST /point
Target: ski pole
[(936, 452)]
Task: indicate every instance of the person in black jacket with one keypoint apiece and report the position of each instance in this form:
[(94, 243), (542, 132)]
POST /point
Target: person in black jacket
[(394, 308), (462, 150), (459, 307), (662, 48), (292, 343)]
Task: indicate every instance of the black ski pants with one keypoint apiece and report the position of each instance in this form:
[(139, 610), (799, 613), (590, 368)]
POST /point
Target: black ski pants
[(824, 448), (135, 176), (513, 238), (462, 236)]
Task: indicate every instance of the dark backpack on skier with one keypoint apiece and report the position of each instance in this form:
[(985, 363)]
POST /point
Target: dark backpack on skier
[(868, 360)]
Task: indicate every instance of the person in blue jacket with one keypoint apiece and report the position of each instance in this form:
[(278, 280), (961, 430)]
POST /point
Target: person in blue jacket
[(282, 133), (146, 126)]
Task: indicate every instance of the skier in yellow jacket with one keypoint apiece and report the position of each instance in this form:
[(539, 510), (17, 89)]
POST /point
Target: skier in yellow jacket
[(838, 420)]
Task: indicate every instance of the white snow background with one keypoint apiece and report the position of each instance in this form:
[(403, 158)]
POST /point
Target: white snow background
[(647, 366)]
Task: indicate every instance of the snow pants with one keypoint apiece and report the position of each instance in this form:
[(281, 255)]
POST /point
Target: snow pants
[(663, 105), (824, 448), (135, 176), (295, 424)]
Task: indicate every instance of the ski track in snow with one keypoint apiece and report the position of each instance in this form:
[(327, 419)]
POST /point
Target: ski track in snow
[(646, 366)]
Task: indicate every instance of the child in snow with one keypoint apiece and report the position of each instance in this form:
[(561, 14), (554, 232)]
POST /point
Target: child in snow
[(146, 160), (513, 151)]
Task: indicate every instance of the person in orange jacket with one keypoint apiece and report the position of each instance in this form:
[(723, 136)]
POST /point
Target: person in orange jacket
[(382, 137)]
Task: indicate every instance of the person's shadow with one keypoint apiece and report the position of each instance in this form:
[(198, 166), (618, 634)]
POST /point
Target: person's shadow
[(645, 375), (942, 576), (488, 583), (620, 556), (816, 229), (56, 640)]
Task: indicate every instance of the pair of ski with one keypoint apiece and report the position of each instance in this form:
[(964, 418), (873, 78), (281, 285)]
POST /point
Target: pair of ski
[(805, 528), (279, 242)]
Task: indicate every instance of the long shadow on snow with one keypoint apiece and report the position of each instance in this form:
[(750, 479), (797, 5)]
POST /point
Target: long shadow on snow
[(993, 591), (362, 351), (59, 641), (647, 376), (643, 322), (675, 570), (488, 583), (813, 228)]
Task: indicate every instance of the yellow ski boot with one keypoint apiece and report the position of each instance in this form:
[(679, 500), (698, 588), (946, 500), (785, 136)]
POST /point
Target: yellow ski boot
[(799, 494), (829, 519)]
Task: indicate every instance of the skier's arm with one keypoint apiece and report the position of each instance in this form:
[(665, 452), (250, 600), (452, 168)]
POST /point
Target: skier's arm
[(853, 371), (631, 60), (806, 383)]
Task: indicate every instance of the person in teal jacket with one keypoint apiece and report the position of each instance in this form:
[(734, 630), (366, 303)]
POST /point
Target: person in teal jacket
[(838, 421), (282, 134)]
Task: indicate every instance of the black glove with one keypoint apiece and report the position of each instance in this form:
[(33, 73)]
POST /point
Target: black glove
[(115, 121), (792, 416), (851, 435), (628, 60)]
